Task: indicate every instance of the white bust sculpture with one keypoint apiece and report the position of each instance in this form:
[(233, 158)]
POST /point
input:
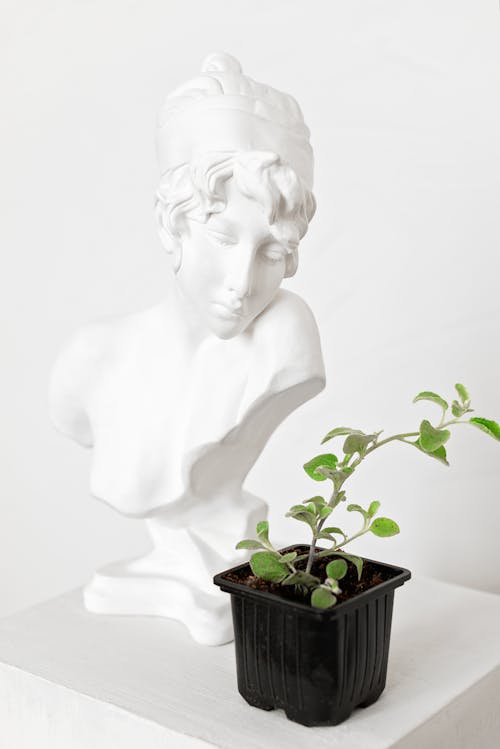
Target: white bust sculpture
[(178, 401)]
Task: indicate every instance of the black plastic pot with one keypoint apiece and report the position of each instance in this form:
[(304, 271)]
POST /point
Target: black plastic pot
[(318, 665)]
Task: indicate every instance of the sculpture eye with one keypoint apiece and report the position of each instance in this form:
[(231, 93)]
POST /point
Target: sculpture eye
[(273, 253), (221, 240)]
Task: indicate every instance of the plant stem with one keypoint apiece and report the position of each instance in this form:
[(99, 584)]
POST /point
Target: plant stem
[(311, 555), (327, 552), (452, 421), (401, 437)]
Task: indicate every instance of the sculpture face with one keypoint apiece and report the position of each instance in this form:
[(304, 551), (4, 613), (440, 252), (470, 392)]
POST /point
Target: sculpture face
[(231, 266)]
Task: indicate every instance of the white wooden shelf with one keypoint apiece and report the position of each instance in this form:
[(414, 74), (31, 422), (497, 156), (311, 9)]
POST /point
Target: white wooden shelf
[(74, 680)]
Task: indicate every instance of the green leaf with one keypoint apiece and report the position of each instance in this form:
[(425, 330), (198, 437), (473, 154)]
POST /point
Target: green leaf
[(337, 477), (336, 569), (462, 392), (327, 473), (373, 508), (303, 515), (317, 501), (338, 432), (357, 508), (325, 511), (322, 598), (430, 438), (439, 454), (288, 557), (328, 460), (356, 561), (332, 529), (427, 395), (358, 442), (262, 530), (327, 536), (249, 543), (486, 425), (457, 410), (267, 566), (301, 578), (340, 496), (384, 527)]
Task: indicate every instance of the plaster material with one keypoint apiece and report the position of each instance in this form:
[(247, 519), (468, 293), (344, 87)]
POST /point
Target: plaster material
[(178, 401)]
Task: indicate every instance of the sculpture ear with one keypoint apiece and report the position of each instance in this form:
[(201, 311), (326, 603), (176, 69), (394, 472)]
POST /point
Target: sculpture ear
[(171, 243), (292, 261)]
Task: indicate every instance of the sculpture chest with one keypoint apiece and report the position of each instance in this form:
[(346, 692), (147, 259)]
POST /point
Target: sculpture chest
[(152, 404)]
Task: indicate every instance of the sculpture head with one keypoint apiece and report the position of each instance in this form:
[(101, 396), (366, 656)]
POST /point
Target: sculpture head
[(235, 196)]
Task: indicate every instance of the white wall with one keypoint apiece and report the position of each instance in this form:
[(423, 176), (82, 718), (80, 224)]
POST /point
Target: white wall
[(400, 265)]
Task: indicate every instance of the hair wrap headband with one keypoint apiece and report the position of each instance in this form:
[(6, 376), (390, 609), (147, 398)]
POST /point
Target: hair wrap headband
[(224, 110)]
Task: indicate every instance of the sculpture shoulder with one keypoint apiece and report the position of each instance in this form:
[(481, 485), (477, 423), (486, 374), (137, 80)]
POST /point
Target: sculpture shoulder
[(92, 352), (288, 329), (288, 308), (72, 377), (97, 345), (84, 350)]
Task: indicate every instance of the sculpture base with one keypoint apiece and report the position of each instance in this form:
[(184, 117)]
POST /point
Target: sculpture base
[(114, 590), (175, 580)]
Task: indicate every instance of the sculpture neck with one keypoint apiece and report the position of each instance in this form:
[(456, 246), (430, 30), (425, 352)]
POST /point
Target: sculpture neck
[(195, 333)]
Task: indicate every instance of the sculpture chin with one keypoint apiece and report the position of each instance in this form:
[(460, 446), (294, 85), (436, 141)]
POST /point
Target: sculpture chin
[(229, 327)]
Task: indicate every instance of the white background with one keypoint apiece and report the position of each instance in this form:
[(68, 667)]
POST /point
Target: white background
[(400, 265)]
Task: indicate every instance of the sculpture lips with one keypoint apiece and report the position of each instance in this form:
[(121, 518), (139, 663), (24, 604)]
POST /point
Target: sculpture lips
[(227, 312)]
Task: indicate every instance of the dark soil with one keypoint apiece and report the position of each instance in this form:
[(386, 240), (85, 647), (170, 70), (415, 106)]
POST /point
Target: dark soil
[(372, 575)]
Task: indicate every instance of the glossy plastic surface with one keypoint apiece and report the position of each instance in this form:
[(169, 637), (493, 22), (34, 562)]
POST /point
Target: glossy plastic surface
[(318, 665)]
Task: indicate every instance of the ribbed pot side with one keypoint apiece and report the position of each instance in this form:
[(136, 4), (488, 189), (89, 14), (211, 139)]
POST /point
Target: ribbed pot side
[(316, 665)]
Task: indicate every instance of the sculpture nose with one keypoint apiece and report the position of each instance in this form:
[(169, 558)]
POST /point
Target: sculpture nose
[(240, 275)]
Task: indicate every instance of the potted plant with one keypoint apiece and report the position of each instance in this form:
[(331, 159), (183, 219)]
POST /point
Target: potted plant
[(312, 622)]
